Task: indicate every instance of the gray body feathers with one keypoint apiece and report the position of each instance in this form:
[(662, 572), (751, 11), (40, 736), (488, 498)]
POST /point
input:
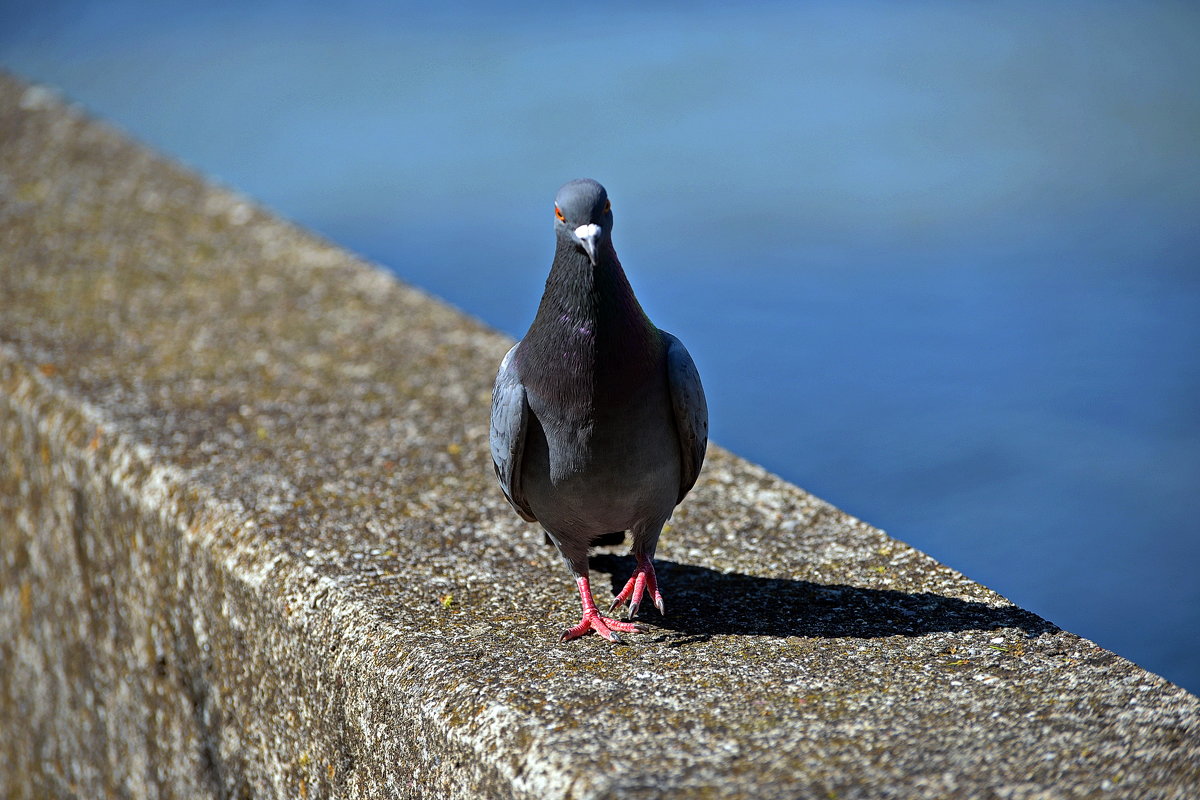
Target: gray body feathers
[(599, 422)]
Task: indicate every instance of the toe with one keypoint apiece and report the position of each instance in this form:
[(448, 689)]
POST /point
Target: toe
[(610, 629)]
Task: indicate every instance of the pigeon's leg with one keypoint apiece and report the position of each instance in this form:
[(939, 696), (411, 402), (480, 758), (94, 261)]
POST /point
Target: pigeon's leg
[(593, 621), (640, 583)]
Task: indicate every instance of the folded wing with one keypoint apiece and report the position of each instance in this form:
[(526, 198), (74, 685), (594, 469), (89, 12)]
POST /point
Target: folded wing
[(510, 415), (691, 412)]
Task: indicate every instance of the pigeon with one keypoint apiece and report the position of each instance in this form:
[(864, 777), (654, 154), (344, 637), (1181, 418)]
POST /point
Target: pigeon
[(598, 423)]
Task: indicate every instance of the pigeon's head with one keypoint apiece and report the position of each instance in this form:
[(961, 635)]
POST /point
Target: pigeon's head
[(583, 215)]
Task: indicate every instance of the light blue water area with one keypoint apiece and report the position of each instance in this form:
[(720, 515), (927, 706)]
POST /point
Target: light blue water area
[(938, 262)]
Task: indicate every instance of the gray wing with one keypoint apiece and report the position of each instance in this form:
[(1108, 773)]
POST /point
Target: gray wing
[(691, 412), (510, 412)]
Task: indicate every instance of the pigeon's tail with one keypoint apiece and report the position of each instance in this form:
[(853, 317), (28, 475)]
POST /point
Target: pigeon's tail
[(603, 540)]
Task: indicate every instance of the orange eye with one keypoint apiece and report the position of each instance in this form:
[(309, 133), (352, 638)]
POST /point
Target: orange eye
[(607, 206), (559, 215)]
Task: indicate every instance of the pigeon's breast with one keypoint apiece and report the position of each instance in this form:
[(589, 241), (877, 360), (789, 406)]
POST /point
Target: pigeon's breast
[(588, 473)]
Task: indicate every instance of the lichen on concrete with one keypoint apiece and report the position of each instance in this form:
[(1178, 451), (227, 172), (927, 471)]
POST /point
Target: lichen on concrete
[(251, 546)]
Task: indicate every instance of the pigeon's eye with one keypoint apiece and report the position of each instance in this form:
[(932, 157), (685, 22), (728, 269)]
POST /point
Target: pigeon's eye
[(607, 206), (559, 215)]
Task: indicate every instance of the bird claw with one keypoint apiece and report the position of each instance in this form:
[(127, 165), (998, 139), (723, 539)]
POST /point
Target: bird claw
[(610, 629), (640, 583)]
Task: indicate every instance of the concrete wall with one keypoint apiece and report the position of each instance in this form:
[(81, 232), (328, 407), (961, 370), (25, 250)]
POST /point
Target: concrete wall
[(250, 546)]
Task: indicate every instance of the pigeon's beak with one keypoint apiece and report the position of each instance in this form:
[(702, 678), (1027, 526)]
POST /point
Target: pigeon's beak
[(589, 236)]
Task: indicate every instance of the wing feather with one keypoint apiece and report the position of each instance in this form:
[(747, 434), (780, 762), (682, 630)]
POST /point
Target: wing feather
[(510, 415), (691, 412)]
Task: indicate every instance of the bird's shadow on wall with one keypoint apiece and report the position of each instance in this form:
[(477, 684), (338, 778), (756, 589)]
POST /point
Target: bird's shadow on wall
[(701, 603)]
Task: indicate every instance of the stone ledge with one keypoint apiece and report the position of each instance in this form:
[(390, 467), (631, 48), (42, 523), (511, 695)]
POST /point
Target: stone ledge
[(252, 547)]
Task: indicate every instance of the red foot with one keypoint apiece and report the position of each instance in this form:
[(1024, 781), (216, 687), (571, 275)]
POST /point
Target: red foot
[(593, 621), (641, 582)]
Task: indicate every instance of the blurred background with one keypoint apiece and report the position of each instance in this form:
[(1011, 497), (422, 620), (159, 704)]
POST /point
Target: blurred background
[(938, 262)]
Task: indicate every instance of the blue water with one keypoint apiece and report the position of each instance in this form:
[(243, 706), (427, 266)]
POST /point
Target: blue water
[(938, 262)]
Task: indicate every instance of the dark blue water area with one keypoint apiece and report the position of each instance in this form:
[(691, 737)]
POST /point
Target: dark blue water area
[(938, 263)]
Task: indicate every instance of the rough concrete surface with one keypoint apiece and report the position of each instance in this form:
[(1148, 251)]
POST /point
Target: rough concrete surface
[(251, 546)]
